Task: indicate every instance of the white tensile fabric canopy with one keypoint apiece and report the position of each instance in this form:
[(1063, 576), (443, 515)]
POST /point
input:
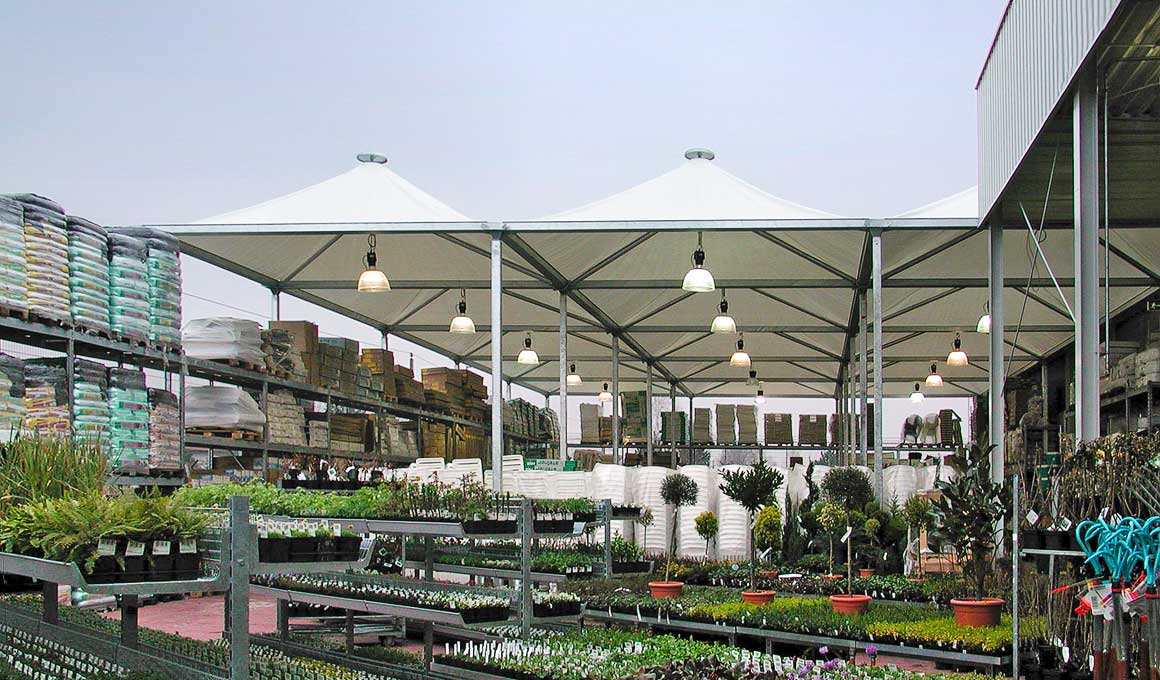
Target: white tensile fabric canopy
[(791, 275)]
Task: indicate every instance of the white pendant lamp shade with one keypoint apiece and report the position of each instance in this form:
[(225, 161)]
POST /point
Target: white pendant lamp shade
[(573, 377), (723, 323), (528, 355), (372, 280), (957, 357), (752, 380), (760, 398), (916, 396), (605, 395), (698, 279), (740, 358), (934, 379), (462, 323), (984, 325)]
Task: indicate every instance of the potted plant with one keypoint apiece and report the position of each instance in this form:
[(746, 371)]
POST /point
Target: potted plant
[(273, 548), (917, 513), (753, 489), (678, 491), (832, 517), (646, 520), (767, 531), (870, 530), (967, 516), (850, 603), (707, 527)]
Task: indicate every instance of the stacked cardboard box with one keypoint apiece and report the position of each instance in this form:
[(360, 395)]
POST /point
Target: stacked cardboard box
[(812, 428), (474, 396), (366, 387), (395, 441), (318, 431), (701, 418), (407, 389), (778, 429), (380, 366), (668, 422), (605, 429), (521, 417), (436, 440), (283, 358), (1147, 367), (285, 419), (304, 337), (726, 424), (351, 432), (339, 364), (635, 416), (443, 388), (590, 423), (746, 424)]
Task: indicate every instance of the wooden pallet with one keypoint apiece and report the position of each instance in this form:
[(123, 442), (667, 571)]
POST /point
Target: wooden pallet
[(244, 435), (13, 312), (48, 320), (245, 365)]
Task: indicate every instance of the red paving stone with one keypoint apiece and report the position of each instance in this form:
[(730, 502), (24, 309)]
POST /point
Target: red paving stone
[(202, 618)]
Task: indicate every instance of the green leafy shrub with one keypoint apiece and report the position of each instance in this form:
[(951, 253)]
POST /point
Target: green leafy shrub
[(767, 531), (849, 487), (678, 491), (707, 527)]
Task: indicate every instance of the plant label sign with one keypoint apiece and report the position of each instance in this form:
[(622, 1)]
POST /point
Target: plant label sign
[(846, 536), (135, 549), (161, 547), (188, 546), (1032, 517), (107, 547)]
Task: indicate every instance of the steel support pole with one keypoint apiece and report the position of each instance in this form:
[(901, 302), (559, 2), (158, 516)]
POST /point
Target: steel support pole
[(852, 407), (995, 367), (692, 411), (496, 362), (563, 415), (648, 414), (242, 545), (673, 418), (1085, 182), (863, 357), (879, 400), (275, 305), (1043, 390), (616, 400)]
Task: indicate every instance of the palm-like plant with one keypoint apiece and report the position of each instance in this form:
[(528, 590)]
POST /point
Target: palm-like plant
[(678, 491), (753, 489)]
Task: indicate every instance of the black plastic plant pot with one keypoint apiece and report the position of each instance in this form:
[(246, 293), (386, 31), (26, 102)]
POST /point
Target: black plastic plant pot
[(625, 512), (303, 549), (544, 611), (1047, 656), (133, 569), (347, 548), (1031, 671), (1055, 540), (1073, 544), (186, 566), (1031, 539), (289, 484), (484, 614), (106, 570), (1081, 675), (162, 567), (326, 548), (273, 550), (1055, 674), (489, 526), (553, 526), (585, 517), (635, 567)]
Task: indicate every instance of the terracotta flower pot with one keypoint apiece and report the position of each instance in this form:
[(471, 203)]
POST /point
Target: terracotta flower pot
[(867, 572), (915, 579), (665, 590), (833, 577), (768, 573), (977, 613), (850, 604), (758, 596)]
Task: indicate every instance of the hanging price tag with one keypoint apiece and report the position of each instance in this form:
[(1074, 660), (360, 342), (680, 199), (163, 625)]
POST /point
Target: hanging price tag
[(1032, 517), (846, 536), (1065, 524)]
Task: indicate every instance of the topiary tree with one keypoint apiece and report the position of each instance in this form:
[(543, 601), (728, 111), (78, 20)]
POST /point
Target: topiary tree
[(832, 517), (752, 488), (707, 527), (767, 531), (849, 487), (918, 513), (678, 491), (646, 521)]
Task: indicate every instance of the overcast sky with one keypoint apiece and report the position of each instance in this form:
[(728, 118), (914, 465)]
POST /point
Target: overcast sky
[(159, 111)]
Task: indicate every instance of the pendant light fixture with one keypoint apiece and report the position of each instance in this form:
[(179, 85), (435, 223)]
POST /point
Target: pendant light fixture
[(740, 358), (934, 379), (698, 279), (723, 323), (528, 355), (984, 325), (760, 398), (573, 377), (605, 395), (916, 396), (372, 280), (957, 357), (752, 380), (462, 323)]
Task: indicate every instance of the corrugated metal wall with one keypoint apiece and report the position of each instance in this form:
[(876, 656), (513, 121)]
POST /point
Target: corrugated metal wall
[(1036, 53)]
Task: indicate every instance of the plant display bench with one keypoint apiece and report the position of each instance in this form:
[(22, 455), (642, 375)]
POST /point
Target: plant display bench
[(984, 662)]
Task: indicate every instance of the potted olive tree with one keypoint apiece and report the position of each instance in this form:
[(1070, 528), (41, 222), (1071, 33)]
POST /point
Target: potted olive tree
[(967, 516), (678, 491), (753, 489)]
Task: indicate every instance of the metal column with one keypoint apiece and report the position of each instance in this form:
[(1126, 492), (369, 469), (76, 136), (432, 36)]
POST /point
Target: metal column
[(673, 420), (648, 413), (241, 546), (995, 368), (496, 362), (275, 304), (616, 400), (852, 396), (563, 415), (863, 357), (1085, 174), (879, 397)]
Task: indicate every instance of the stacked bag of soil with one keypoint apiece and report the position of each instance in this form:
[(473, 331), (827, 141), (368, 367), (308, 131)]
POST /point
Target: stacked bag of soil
[(164, 431), (13, 256), (91, 403), (46, 252), (129, 287), (129, 420), (46, 396), (11, 396), (163, 271), (88, 264)]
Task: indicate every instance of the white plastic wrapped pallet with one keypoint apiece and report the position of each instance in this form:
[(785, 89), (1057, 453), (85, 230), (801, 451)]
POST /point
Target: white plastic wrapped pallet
[(647, 494), (899, 482), (223, 338), (222, 406), (733, 523)]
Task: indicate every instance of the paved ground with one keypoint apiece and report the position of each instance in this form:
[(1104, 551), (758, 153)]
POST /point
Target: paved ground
[(201, 619)]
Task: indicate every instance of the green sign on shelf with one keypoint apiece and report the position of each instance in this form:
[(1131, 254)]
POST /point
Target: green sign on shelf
[(550, 464)]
